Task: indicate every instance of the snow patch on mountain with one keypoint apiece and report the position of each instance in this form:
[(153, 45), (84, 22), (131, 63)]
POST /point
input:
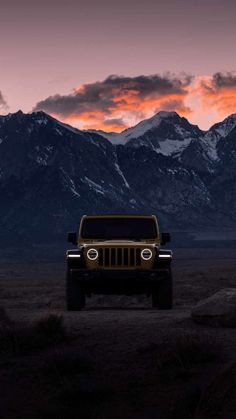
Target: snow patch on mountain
[(41, 160), (182, 131), (73, 188), (59, 131), (69, 183), (41, 118), (49, 148), (93, 185), (173, 147), (210, 142), (122, 175)]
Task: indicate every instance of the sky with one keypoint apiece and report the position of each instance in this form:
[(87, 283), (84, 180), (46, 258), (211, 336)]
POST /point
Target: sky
[(109, 64)]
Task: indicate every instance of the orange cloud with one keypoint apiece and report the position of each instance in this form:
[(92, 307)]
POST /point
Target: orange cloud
[(117, 102), (218, 92), (96, 121), (109, 125)]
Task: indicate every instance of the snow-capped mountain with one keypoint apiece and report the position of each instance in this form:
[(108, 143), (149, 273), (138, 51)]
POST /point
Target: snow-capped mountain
[(52, 173), (222, 129), (165, 132), (216, 135)]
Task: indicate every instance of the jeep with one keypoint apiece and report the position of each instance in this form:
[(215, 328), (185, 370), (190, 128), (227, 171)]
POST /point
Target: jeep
[(118, 254)]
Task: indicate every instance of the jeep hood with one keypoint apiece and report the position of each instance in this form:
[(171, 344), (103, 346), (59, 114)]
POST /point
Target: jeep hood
[(137, 243)]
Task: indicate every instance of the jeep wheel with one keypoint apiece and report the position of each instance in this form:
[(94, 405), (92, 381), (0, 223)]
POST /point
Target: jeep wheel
[(75, 297), (162, 298)]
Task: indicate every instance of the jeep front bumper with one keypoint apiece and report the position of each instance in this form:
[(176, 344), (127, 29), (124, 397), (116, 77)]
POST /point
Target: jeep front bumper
[(119, 281)]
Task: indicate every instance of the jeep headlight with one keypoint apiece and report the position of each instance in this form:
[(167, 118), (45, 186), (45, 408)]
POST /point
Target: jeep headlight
[(146, 254), (73, 254), (92, 254)]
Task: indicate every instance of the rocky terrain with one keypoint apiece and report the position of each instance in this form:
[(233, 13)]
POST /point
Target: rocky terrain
[(51, 174), (118, 357)]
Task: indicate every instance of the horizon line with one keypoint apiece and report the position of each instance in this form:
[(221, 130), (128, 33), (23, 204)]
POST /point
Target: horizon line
[(114, 132)]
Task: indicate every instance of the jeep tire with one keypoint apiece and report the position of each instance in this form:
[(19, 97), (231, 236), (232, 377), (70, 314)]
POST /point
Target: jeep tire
[(162, 297), (75, 296)]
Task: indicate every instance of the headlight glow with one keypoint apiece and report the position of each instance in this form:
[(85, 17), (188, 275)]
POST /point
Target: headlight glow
[(73, 255), (92, 254), (146, 254)]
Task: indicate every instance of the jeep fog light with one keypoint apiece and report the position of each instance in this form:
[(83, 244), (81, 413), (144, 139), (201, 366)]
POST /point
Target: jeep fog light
[(92, 254), (146, 254)]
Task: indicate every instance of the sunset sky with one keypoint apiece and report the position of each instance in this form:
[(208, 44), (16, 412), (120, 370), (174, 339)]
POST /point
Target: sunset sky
[(109, 64)]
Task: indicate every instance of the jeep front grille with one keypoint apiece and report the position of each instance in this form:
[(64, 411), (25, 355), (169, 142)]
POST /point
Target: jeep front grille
[(119, 257)]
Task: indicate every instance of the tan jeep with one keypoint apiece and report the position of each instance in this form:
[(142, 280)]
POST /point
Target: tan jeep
[(119, 254)]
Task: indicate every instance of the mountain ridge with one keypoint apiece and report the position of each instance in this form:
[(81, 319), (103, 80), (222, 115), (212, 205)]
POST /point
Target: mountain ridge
[(52, 173)]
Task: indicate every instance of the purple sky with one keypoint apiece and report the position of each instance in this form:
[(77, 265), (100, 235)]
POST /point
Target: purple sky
[(53, 47)]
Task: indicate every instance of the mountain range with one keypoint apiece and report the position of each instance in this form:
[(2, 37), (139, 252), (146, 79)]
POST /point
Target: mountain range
[(52, 173)]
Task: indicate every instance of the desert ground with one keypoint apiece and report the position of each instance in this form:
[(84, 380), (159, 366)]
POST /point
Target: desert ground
[(118, 358)]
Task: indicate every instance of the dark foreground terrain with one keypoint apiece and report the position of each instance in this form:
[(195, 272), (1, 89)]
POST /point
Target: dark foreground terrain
[(119, 358)]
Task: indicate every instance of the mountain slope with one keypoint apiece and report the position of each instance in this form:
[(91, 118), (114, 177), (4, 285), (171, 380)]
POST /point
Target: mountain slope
[(51, 174)]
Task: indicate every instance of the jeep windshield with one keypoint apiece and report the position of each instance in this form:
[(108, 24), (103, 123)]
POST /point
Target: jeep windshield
[(119, 228)]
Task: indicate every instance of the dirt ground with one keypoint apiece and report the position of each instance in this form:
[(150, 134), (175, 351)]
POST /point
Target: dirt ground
[(119, 358)]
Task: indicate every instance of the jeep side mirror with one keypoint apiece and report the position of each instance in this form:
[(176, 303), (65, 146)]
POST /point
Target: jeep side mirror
[(165, 238), (72, 238)]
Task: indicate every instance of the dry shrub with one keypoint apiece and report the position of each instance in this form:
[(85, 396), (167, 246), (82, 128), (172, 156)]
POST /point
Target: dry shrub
[(183, 351), (178, 359), (50, 328), (16, 338), (189, 351)]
